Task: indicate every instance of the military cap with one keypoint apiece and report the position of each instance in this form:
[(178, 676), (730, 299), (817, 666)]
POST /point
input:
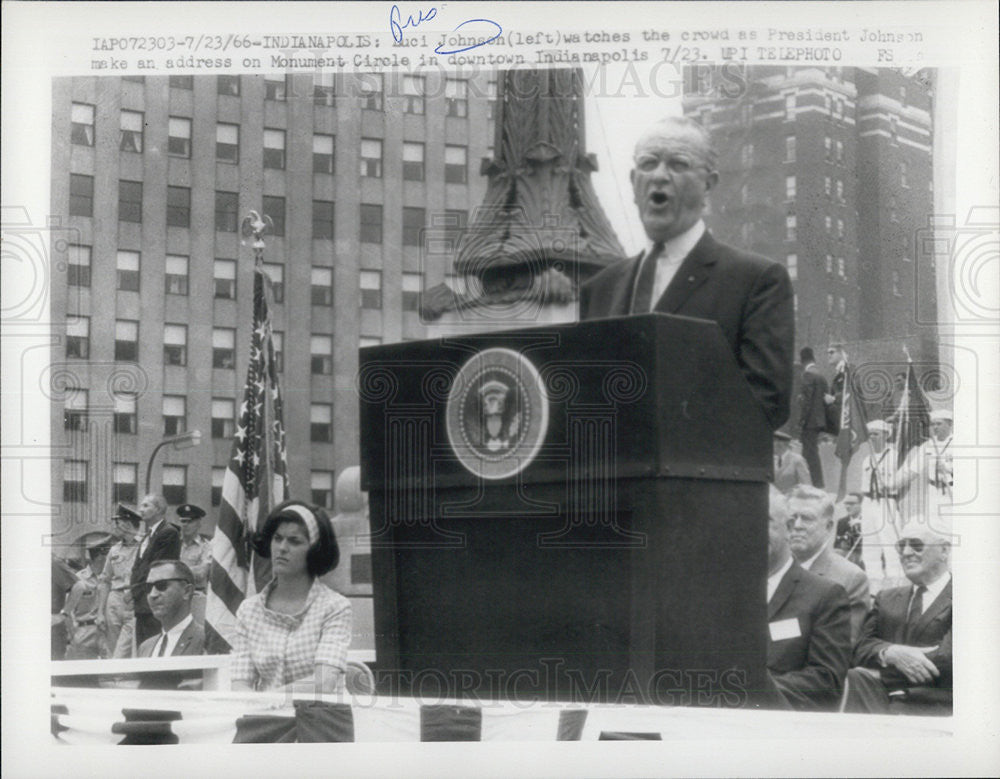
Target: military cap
[(190, 511), (125, 513)]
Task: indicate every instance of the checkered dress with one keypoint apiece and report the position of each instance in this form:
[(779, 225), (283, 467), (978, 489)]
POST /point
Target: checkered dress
[(272, 649)]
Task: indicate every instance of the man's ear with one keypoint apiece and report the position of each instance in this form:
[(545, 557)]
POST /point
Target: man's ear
[(711, 180)]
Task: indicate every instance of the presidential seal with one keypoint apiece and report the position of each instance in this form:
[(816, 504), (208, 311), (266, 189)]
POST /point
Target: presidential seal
[(497, 413)]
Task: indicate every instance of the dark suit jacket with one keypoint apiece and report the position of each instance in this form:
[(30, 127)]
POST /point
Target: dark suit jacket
[(191, 642), (812, 406), (832, 566), (809, 669), (750, 297), (886, 623), (165, 544)]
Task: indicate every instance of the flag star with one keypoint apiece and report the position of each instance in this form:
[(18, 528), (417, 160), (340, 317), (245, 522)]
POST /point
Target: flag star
[(239, 457), (241, 433)]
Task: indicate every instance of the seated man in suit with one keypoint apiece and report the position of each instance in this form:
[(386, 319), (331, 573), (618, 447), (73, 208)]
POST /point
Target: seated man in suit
[(903, 657), (811, 531), (809, 628), (685, 271), (169, 590)]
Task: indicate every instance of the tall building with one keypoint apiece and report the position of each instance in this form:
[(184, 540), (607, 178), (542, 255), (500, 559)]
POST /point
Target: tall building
[(152, 177), (829, 171)]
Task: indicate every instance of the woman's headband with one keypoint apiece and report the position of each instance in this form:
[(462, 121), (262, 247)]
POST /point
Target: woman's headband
[(308, 519)]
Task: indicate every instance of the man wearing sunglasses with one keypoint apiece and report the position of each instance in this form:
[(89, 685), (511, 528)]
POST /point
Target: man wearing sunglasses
[(161, 541), (684, 270), (904, 653), (169, 588)]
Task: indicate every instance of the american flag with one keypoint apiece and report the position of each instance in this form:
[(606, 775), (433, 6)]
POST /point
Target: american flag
[(912, 417), (853, 428), (256, 480)]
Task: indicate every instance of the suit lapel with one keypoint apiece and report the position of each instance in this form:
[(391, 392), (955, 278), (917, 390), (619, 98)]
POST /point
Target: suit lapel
[(942, 602), (784, 591), (621, 293), (694, 271)]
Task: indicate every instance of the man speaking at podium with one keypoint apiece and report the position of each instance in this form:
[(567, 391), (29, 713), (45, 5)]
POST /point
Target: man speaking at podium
[(684, 270)]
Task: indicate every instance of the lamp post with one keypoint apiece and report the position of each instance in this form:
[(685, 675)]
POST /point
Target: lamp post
[(181, 441)]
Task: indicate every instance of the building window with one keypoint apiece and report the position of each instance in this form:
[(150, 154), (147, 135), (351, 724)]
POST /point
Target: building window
[(218, 478), (790, 148), (789, 187), (841, 268), (894, 129), (320, 423), (456, 95), (371, 223), (78, 268), (275, 87), (277, 275), (321, 488), (744, 193), (829, 263), (130, 201), (454, 223), (840, 191), (75, 409), (179, 137), (790, 227), (130, 138), (322, 219), (174, 414), (746, 155), (226, 211), (125, 418), (228, 85), (491, 99), (413, 161), (413, 94), (323, 154), (223, 348), (371, 157), (412, 285), (904, 178), (81, 128), (893, 215), (74, 481), (278, 342), (321, 286), (127, 268), (829, 304), (227, 143), (369, 340), (81, 195), (78, 337), (827, 145), (842, 306), (126, 340), (274, 207), (838, 108), (790, 106), (175, 345), (840, 151), (321, 355), (371, 289), (224, 275), (182, 82), (895, 284), (828, 223), (792, 263), (827, 186), (370, 90), (223, 413), (456, 164), (324, 91), (274, 149), (124, 488), (176, 274), (840, 228), (175, 484), (179, 206), (413, 225)]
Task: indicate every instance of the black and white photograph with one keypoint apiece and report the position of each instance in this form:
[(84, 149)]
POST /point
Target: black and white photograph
[(385, 374)]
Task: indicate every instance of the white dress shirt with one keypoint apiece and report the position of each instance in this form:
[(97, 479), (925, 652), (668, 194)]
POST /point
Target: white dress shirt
[(172, 636), (934, 589), (145, 539), (670, 259), (775, 578)]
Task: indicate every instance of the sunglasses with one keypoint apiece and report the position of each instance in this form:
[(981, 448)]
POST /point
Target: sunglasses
[(161, 585), (914, 543)]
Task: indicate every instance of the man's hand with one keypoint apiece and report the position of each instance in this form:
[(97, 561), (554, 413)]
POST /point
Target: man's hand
[(912, 661)]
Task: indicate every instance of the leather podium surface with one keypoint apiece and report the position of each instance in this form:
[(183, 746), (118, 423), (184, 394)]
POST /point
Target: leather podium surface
[(575, 512)]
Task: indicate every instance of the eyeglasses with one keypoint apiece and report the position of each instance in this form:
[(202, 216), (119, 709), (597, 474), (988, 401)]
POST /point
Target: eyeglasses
[(161, 585), (914, 543), (675, 164)]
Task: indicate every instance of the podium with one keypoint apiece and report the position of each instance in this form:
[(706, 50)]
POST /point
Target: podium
[(576, 512)]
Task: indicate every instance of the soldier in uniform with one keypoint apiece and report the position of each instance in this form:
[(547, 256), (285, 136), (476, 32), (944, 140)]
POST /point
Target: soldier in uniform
[(926, 477), (82, 604), (196, 552), (115, 613), (880, 517)]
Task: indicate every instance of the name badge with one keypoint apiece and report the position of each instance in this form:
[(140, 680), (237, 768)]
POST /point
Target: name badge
[(784, 629)]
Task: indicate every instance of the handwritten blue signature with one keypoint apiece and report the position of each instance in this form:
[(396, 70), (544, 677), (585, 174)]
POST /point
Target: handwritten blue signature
[(397, 25)]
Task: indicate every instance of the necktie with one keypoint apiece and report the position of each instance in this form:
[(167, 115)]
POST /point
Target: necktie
[(642, 296), (915, 611), (163, 646)]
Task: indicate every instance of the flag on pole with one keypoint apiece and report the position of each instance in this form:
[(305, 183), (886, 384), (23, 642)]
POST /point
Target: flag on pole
[(853, 429), (256, 477), (912, 417)]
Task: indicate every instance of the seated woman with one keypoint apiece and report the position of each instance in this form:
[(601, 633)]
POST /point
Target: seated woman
[(293, 635)]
